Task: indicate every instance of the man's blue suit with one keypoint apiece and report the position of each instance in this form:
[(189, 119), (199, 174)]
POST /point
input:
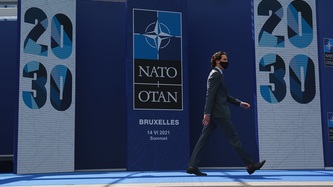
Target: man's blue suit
[(216, 105)]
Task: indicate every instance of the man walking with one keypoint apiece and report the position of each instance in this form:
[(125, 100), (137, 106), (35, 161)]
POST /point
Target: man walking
[(217, 114)]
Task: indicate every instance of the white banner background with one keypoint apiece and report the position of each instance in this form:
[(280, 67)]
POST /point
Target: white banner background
[(290, 132), (46, 134)]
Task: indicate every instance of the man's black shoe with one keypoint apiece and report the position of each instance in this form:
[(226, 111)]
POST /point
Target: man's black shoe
[(255, 166), (195, 171)]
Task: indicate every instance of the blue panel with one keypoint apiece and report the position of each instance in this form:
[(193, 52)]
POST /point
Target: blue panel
[(222, 25), (9, 85), (325, 27), (100, 99), (157, 122)]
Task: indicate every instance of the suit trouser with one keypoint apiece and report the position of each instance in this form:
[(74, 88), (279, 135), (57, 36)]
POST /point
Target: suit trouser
[(228, 129)]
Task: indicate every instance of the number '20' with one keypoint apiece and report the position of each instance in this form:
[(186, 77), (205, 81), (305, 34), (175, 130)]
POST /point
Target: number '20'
[(299, 24), (61, 34)]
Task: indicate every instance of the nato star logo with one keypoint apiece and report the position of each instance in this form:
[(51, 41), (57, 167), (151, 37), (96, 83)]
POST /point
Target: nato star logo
[(157, 35), (329, 46)]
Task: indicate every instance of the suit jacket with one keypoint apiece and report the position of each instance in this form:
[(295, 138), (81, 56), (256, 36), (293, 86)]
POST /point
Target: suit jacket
[(217, 97)]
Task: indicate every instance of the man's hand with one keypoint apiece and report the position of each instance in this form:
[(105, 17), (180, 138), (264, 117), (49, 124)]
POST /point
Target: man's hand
[(206, 119), (245, 105)]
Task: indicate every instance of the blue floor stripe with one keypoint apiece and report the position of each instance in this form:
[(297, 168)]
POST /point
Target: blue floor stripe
[(123, 177)]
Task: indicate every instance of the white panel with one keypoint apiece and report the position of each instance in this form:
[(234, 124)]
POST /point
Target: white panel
[(11, 11), (47, 86), (289, 117)]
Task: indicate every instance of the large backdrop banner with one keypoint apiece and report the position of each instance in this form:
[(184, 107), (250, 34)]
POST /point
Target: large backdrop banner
[(288, 90), (157, 124), (45, 131)]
